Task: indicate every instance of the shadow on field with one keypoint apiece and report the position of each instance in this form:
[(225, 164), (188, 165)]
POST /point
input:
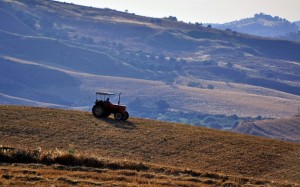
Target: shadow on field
[(120, 124)]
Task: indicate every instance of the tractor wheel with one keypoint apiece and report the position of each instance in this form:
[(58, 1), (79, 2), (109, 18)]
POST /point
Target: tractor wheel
[(118, 116), (98, 111), (125, 116)]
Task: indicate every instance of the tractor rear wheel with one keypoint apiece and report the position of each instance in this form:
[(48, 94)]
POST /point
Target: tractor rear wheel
[(98, 111), (118, 116), (125, 116)]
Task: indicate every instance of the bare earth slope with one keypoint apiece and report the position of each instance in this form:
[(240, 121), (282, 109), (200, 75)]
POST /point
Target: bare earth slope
[(285, 128), (147, 141)]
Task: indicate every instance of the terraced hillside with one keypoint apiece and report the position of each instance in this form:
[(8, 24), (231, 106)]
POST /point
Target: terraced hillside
[(176, 147), (287, 128)]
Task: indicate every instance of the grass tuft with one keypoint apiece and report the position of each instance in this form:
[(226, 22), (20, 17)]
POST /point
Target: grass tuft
[(66, 159)]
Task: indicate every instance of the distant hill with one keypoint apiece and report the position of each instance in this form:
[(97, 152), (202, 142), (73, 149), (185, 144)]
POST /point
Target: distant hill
[(297, 23), (60, 54), (295, 36), (287, 128), (149, 147), (261, 25)]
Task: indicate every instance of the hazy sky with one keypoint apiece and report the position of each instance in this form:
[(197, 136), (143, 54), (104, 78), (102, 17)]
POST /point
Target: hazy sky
[(204, 11)]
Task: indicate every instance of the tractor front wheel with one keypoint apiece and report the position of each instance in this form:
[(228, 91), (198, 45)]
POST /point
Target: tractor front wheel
[(125, 116), (118, 116)]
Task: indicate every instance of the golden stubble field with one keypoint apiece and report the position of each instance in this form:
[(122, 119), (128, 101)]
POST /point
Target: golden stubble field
[(287, 128), (156, 144)]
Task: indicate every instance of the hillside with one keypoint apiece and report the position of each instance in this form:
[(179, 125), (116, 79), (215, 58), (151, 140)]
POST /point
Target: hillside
[(262, 25), (287, 128), (60, 54), (297, 23), (157, 144)]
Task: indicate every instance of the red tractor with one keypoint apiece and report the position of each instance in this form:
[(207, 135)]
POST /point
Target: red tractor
[(103, 107)]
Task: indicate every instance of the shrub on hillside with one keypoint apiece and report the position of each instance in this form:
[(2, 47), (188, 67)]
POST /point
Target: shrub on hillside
[(172, 18), (209, 119), (210, 86), (195, 84)]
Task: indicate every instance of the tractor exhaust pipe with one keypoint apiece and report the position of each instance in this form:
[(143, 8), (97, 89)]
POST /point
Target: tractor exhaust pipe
[(119, 98)]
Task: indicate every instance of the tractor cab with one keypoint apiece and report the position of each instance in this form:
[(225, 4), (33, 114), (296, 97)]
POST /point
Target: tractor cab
[(103, 97)]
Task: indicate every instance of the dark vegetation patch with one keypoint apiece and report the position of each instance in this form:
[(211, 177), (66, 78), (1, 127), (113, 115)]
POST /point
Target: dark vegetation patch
[(273, 85)]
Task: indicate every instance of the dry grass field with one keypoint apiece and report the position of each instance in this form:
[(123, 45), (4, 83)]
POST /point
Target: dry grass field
[(287, 128), (66, 147), (226, 98), (34, 168)]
